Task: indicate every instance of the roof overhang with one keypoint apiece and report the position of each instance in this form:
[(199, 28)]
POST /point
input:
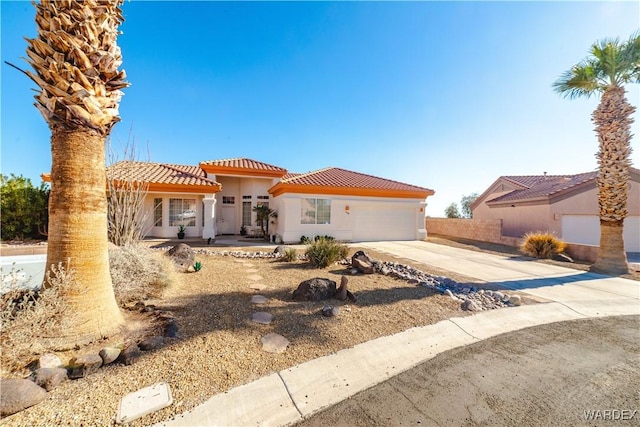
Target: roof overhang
[(281, 188), (238, 171)]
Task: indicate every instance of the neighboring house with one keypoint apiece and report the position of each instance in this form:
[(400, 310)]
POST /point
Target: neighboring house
[(218, 197), (566, 205)]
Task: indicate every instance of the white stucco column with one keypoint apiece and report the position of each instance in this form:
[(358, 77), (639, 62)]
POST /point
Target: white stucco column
[(421, 221), (209, 205)]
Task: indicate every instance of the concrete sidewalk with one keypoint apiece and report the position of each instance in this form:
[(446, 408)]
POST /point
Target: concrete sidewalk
[(293, 394)]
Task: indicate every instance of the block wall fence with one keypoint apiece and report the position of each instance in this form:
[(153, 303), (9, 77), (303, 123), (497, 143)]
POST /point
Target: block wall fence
[(490, 230)]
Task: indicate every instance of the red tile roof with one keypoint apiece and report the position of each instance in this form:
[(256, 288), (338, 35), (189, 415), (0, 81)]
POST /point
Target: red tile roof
[(543, 186), (164, 177), (242, 166), (345, 182)]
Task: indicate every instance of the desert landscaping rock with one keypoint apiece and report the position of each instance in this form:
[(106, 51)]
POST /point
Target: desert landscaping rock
[(330, 311), (515, 300), (151, 343), (49, 360), (361, 261), (262, 317), (49, 378), (182, 256), (258, 286), (130, 354), (258, 299), (109, 354), (19, 394), (83, 365), (471, 305), (171, 330), (274, 343), (315, 289)]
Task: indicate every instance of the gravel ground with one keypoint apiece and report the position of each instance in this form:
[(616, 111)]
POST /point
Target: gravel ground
[(218, 347)]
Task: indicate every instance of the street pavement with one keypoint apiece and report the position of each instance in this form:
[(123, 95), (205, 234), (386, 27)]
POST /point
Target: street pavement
[(297, 393)]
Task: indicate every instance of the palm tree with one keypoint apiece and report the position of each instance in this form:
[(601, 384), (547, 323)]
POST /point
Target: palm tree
[(611, 65), (263, 213), (76, 58)]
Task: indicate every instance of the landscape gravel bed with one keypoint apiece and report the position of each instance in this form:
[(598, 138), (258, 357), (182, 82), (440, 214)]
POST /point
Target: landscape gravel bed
[(218, 347)]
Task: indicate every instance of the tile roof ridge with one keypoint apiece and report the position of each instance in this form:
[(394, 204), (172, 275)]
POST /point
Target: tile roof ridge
[(174, 168), (306, 174), (378, 177)]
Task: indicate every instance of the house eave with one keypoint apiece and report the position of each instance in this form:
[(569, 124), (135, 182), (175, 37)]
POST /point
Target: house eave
[(281, 188), (231, 171)]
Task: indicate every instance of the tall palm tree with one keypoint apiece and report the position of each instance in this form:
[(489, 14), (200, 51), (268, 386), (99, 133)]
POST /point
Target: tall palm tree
[(76, 58), (610, 65)]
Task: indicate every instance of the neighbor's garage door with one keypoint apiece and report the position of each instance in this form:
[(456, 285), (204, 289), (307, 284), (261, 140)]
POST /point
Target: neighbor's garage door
[(585, 229), (376, 223)]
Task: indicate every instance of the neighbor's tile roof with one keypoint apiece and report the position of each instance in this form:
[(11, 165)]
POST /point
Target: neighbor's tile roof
[(161, 176), (242, 166), (342, 181), (543, 186)]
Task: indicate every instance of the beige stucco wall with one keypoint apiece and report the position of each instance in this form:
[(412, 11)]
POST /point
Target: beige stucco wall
[(401, 215)]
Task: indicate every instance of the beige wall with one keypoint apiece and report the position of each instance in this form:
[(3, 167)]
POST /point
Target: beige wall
[(482, 230)]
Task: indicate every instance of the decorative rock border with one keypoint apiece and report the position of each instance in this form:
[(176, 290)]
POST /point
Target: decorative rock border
[(49, 370)]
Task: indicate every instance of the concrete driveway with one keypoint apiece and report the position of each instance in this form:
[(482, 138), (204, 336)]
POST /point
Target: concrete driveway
[(587, 293)]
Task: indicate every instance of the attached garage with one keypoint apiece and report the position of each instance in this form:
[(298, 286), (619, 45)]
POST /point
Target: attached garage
[(371, 223), (585, 230)]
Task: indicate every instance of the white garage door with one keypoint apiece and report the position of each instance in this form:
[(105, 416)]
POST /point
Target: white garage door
[(371, 224), (585, 230)]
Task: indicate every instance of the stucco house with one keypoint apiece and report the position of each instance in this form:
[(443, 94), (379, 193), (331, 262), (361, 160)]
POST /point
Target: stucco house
[(566, 205), (218, 197)]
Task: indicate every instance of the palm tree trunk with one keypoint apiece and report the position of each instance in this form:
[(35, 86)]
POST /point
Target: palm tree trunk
[(612, 260), (613, 119), (78, 233)]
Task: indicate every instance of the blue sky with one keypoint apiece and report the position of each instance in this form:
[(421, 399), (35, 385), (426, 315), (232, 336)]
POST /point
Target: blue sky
[(445, 95)]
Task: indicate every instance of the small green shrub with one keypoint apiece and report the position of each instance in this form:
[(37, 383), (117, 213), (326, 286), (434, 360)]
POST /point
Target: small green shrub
[(139, 273), (542, 245), (290, 255), (304, 240), (324, 252), (197, 266)]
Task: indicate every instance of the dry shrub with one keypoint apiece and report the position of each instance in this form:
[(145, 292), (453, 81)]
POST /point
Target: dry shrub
[(139, 273), (290, 255), (29, 315), (324, 252), (542, 245)]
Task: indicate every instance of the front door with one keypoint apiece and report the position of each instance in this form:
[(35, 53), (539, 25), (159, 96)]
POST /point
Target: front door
[(227, 224)]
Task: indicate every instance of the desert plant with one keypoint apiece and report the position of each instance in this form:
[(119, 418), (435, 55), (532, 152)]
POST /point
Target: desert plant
[(126, 193), (304, 240), (609, 67), (139, 273), (542, 245), (243, 231), (324, 252), (290, 255), (197, 266), (28, 318)]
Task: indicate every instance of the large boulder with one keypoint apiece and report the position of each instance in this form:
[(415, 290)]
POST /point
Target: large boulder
[(182, 256), (315, 289), (361, 262), (18, 394)]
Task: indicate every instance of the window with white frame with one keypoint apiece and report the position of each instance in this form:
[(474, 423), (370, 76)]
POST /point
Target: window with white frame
[(157, 212), (315, 211), (182, 212), (246, 214), (228, 200)]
